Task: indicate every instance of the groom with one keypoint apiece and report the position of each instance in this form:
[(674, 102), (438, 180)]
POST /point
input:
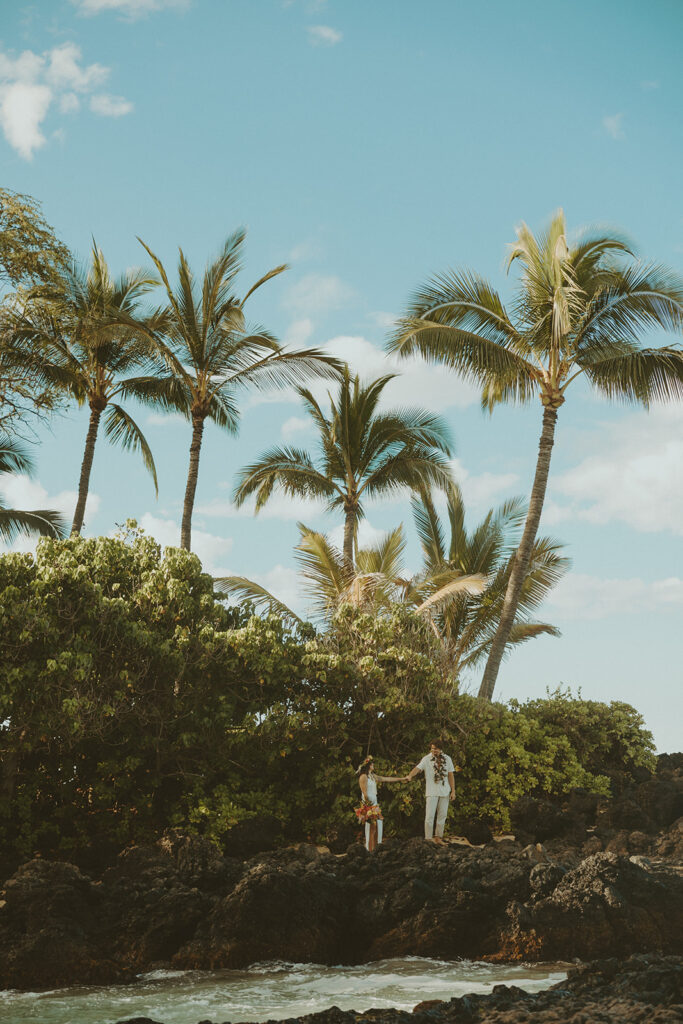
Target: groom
[(438, 771)]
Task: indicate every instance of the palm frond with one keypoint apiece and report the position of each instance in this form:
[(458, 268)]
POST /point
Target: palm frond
[(429, 529), (384, 558), (471, 585), (266, 277), (122, 429), (248, 592), (45, 522), (654, 374), (14, 456)]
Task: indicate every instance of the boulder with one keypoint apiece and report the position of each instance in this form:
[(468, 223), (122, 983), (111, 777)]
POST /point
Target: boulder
[(607, 903)]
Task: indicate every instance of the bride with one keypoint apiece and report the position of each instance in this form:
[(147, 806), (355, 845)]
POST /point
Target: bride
[(369, 813)]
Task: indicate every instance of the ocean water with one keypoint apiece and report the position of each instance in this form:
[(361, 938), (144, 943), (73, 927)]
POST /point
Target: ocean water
[(271, 991)]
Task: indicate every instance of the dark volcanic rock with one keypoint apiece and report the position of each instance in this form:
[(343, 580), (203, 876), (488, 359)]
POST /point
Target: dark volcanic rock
[(49, 929), (607, 903), (476, 831), (255, 835), (180, 903), (536, 820), (297, 910)]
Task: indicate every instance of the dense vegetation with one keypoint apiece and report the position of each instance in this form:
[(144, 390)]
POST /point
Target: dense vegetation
[(132, 699)]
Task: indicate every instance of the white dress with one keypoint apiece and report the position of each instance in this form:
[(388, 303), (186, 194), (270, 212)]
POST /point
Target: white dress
[(371, 797)]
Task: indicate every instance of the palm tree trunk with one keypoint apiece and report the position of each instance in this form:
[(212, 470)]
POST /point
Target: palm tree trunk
[(523, 556), (192, 475), (86, 466), (349, 537)]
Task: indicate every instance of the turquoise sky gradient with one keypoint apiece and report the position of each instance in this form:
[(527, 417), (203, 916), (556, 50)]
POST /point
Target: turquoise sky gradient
[(370, 145)]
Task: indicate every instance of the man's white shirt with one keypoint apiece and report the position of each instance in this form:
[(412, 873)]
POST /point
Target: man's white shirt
[(435, 788)]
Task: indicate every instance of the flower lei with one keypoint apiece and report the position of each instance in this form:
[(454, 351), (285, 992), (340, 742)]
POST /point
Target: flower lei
[(439, 762)]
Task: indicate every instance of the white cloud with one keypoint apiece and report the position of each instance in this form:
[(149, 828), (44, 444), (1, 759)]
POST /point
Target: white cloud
[(295, 425), (110, 106), (649, 84), (210, 548), (166, 419), (633, 475), (23, 107), (280, 506), (384, 320), (417, 383), (63, 70), (323, 35), (31, 82), (581, 596), (303, 251), (284, 584), (298, 333), (317, 294), (21, 492), (69, 103), (482, 490), (612, 123), (130, 8)]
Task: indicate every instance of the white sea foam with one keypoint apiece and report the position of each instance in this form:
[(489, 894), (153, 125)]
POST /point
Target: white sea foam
[(272, 991)]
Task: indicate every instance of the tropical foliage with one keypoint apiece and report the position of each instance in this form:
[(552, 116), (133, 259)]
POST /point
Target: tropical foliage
[(161, 707), (362, 453), (580, 311), (212, 357)]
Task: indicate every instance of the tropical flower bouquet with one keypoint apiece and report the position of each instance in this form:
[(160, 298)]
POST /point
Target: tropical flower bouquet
[(368, 812)]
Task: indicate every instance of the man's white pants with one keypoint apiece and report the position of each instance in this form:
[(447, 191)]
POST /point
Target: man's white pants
[(437, 807)]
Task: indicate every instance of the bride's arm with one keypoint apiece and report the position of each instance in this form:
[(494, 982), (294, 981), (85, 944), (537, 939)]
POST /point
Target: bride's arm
[(390, 778)]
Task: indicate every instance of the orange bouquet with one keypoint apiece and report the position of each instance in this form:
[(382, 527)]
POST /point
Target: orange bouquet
[(368, 812)]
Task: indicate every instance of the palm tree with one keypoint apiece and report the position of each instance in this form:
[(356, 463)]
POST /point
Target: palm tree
[(85, 337), (459, 590), (580, 310), (211, 356), (362, 454), (327, 577), (466, 622), (374, 584), (13, 522)]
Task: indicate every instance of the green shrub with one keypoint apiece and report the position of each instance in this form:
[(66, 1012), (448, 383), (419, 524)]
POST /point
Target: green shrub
[(131, 699)]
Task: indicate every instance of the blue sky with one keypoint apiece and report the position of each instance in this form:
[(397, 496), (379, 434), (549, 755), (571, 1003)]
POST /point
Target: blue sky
[(369, 146)]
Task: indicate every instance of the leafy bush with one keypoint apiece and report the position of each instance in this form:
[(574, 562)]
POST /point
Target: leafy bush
[(131, 699)]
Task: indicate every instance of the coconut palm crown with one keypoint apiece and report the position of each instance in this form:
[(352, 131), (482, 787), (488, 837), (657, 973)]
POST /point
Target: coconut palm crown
[(362, 453), (85, 335), (212, 357), (581, 310), (466, 622)]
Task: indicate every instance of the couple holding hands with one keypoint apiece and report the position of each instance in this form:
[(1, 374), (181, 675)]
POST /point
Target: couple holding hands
[(438, 771)]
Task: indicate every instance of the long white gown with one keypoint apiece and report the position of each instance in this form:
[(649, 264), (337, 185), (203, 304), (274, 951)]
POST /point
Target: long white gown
[(371, 797)]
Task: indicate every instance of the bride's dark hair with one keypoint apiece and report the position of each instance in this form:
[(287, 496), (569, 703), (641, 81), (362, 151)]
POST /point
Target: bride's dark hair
[(363, 767)]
